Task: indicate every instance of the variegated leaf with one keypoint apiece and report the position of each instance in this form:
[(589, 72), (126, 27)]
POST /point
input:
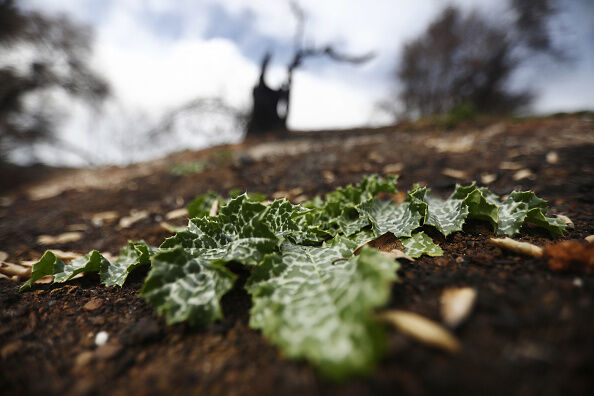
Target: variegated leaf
[(316, 303), (419, 244), (186, 287)]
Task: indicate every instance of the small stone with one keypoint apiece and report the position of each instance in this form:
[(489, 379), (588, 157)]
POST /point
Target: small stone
[(376, 157), (523, 174), (93, 304), (328, 176), (108, 351), (394, 168), (455, 173), (83, 359), (552, 157), (488, 178), (577, 282), (10, 349), (101, 338), (505, 165)]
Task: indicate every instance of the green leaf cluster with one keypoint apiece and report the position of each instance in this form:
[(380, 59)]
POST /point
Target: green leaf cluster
[(133, 255), (311, 296)]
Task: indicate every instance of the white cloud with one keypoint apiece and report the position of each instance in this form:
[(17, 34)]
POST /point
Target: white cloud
[(151, 72), (318, 103)]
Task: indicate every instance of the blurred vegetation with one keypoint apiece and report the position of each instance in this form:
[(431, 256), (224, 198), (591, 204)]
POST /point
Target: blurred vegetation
[(188, 168), (462, 64), (42, 56), (463, 112)]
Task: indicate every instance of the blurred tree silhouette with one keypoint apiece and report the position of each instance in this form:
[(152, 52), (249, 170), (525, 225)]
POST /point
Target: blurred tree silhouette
[(49, 54), (467, 60), (270, 107)]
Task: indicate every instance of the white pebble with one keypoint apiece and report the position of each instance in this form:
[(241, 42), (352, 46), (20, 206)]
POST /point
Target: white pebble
[(101, 338)]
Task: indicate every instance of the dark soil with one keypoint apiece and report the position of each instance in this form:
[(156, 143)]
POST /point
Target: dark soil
[(531, 332)]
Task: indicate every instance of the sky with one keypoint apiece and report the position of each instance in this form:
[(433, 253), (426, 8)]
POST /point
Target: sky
[(159, 54)]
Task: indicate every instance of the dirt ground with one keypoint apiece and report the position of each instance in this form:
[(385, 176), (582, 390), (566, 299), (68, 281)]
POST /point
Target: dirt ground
[(531, 331)]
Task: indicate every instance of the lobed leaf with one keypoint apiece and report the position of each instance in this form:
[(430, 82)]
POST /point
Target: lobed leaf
[(110, 273), (186, 287), (315, 303), (420, 243), (520, 207), (131, 257), (200, 206), (385, 216)]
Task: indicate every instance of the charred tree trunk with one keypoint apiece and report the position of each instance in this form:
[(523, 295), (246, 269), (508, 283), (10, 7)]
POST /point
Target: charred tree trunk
[(270, 106)]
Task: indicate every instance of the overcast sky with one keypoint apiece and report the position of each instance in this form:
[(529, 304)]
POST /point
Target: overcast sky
[(160, 53)]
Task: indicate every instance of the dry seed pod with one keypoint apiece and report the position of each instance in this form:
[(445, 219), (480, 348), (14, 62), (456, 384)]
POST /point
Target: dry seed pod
[(214, 208), (523, 174), (10, 269), (65, 255), (456, 304), (135, 216), (454, 173), (566, 220), (398, 254), (524, 248), (176, 214), (98, 219), (422, 329), (167, 227), (62, 238)]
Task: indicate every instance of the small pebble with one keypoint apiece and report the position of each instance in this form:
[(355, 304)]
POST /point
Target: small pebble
[(577, 282), (108, 351), (83, 359), (93, 304), (101, 338)]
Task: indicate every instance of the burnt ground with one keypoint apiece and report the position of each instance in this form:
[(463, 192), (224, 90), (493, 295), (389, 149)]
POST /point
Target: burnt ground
[(531, 331)]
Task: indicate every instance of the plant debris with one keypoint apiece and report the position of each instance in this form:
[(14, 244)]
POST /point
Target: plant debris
[(524, 248), (134, 217), (422, 329), (571, 255), (59, 239), (456, 305)]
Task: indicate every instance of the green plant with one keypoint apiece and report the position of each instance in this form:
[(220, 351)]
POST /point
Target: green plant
[(188, 168), (463, 112), (312, 295)]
